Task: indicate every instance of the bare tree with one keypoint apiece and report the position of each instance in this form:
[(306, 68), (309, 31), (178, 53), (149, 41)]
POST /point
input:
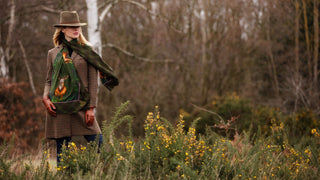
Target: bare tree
[(306, 29), (94, 22), (204, 59), (274, 73), (316, 42), (5, 52), (297, 63)]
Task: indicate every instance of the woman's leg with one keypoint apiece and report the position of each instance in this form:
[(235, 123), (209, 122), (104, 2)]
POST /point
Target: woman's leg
[(60, 142), (91, 138)]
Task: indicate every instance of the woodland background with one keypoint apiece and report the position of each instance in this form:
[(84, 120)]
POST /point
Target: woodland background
[(177, 54)]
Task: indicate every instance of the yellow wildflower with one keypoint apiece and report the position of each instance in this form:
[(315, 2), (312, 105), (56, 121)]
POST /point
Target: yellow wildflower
[(73, 144), (121, 158), (160, 128), (313, 131)]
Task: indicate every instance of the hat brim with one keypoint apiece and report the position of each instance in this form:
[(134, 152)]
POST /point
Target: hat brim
[(70, 25)]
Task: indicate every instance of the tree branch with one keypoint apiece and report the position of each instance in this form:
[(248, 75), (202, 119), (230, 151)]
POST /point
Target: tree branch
[(49, 10), (211, 112), (134, 56), (106, 10), (24, 55)]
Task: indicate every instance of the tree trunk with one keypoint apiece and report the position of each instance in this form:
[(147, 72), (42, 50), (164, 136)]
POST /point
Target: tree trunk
[(306, 28), (4, 69), (94, 33), (5, 52), (273, 66), (316, 43), (297, 18), (270, 53), (204, 58), (296, 72)]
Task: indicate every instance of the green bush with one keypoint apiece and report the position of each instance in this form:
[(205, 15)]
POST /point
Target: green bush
[(231, 114), (175, 152)]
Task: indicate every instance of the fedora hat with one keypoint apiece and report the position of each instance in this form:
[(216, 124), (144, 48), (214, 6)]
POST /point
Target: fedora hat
[(69, 18)]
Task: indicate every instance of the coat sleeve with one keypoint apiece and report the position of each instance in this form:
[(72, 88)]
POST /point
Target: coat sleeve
[(93, 85), (49, 75)]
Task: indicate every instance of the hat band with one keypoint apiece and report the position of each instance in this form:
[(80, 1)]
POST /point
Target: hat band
[(70, 22)]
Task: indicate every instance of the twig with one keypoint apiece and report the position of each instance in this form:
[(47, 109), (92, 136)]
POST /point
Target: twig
[(203, 109), (49, 10), (134, 56)]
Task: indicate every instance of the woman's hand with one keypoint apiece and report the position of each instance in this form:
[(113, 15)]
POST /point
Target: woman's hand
[(49, 105), (90, 116)]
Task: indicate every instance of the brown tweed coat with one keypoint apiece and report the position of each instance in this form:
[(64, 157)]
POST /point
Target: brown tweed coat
[(64, 125)]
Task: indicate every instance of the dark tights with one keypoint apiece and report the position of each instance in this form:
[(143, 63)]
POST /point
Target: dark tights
[(66, 140)]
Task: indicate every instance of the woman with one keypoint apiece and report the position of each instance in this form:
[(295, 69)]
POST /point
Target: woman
[(71, 85)]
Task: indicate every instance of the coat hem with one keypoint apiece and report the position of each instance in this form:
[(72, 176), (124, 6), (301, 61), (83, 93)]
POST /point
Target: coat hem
[(58, 137)]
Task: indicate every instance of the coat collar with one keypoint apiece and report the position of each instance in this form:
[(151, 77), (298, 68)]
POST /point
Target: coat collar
[(73, 55)]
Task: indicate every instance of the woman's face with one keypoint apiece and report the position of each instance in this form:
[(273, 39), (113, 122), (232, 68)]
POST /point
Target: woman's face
[(71, 32)]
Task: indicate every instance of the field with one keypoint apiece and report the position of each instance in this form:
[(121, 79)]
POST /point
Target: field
[(180, 152)]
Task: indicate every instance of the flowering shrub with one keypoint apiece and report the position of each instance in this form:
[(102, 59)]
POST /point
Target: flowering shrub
[(231, 114), (173, 152), (74, 159), (172, 149)]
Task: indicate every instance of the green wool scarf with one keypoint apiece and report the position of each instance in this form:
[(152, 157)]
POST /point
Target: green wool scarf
[(67, 91), (107, 76)]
